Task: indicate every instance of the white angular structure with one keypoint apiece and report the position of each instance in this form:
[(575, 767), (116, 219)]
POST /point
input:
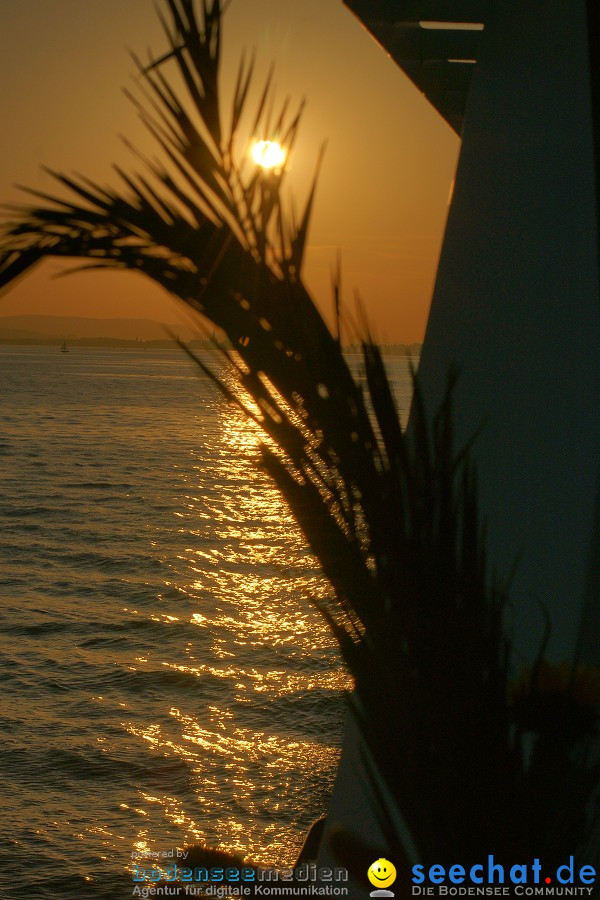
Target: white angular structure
[(516, 305)]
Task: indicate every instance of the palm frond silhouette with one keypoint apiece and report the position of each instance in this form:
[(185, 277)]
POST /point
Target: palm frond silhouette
[(392, 517)]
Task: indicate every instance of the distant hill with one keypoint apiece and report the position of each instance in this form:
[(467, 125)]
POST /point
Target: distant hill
[(39, 328), (78, 330)]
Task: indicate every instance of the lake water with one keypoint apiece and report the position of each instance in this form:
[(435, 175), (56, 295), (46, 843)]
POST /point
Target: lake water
[(165, 678)]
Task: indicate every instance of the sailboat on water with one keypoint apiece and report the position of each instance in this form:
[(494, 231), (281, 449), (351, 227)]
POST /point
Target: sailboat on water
[(64, 348)]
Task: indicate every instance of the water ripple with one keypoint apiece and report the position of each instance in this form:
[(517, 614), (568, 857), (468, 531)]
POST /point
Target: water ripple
[(166, 676)]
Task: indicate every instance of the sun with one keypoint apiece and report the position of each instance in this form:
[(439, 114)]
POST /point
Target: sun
[(268, 154)]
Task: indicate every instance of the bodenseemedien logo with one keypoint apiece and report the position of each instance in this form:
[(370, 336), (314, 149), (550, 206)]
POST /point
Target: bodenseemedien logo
[(381, 874)]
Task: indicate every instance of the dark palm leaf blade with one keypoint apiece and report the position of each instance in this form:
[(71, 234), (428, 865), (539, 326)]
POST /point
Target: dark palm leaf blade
[(14, 263), (177, 128), (240, 95), (341, 563), (201, 47), (300, 235), (262, 105)]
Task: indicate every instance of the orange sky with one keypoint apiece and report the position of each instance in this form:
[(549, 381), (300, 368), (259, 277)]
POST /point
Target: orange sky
[(385, 182)]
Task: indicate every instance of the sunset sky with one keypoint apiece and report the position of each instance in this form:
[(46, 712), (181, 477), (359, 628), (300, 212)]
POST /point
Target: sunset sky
[(385, 181)]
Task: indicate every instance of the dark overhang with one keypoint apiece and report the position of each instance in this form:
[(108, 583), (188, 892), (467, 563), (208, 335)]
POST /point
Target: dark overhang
[(435, 42)]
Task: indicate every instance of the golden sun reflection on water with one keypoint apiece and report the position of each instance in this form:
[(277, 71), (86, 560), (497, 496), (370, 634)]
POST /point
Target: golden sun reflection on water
[(224, 759), (278, 682), (256, 732)]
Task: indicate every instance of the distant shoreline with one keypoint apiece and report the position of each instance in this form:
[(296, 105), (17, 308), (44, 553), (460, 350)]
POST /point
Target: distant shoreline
[(130, 334), (115, 343), (128, 344)]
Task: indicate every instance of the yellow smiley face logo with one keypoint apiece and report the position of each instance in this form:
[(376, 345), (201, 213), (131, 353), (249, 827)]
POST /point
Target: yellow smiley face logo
[(382, 873)]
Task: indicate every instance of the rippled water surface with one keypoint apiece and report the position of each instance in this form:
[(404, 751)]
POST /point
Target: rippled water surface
[(165, 679)]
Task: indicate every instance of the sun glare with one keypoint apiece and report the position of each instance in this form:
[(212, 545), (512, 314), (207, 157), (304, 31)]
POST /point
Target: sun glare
[(268, 154)]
